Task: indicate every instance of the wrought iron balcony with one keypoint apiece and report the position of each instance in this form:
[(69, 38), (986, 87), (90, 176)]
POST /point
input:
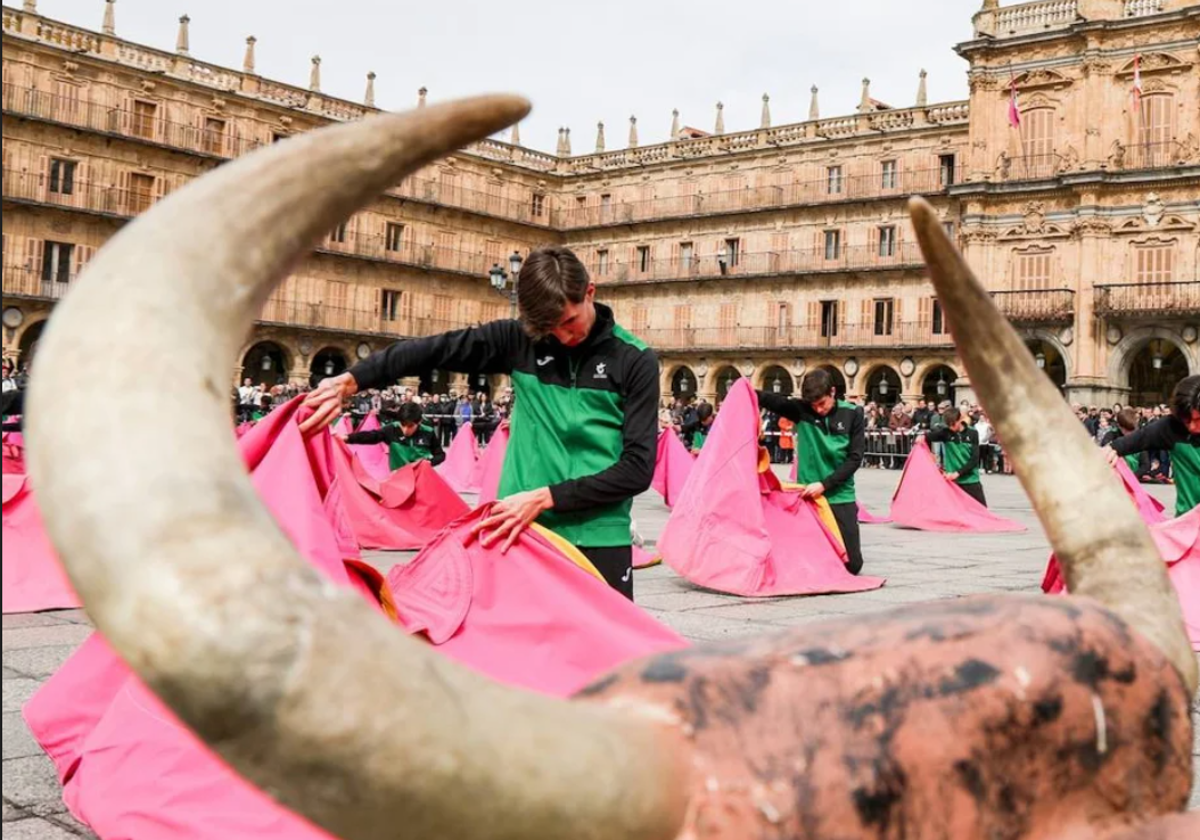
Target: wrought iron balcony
[(76, 194), (21, 281), (1043, 306), (812, 337), (300, 312), (1179, 299)]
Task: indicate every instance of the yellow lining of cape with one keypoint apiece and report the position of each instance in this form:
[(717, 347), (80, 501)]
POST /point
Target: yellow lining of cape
[(823, 510), (569, 550)]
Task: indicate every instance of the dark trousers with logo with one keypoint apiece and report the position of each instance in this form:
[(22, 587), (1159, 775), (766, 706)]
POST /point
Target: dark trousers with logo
[(975, 491), (615, 564), (846, 516)]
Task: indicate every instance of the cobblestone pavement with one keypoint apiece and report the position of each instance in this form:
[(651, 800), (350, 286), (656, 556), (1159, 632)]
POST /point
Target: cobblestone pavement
[(919, 567)]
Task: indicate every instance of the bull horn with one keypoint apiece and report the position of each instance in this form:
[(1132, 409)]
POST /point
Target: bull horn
[(1105, 549), (294, 681)]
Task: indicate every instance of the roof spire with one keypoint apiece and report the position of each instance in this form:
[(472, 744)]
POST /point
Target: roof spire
[(675, 124), (248, 59), (814, 109), (633, 138), (599, 137), (922, 96), (369, 96), (109, 27), (181, 40), (516, 134), (314, 75), (719, 128), (865, 104), (766, 112)]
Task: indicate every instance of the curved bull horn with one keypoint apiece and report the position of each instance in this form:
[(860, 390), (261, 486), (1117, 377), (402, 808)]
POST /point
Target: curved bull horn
[(1104, 547), (294, 681)]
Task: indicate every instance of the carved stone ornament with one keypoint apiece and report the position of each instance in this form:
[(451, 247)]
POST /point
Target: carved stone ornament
[(1153, 210), (1092, 226), (746, 367), (70, 67), (702, 368), (798, 367), (1113, 335), (907, 366), (1070, 160), (1067, 336), (363, 350), (1189, 334), (851, 367), (1035, 216), (148, 85), (306, 346)]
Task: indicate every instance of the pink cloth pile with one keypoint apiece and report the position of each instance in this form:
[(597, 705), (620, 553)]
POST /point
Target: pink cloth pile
[(461, 467), (672, 466), (928, 501)]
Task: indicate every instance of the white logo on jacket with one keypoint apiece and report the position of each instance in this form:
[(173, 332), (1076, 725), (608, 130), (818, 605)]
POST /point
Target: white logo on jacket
[(545, 361), (601, 369)]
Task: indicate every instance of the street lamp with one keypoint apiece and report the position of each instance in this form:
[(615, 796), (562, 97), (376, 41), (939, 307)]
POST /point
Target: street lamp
[(883, 388), (685, 384), (329, 367), (776, 384), (266, 363), (499, 280), (1040, 358), (941, 385)]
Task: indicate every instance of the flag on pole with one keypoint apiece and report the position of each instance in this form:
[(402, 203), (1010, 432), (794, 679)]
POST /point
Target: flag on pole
[(1014, 110), (1137, 82)]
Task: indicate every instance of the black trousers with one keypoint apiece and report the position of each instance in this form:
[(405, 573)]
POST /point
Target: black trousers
[(615, 564), (846, 515), (975, 491)]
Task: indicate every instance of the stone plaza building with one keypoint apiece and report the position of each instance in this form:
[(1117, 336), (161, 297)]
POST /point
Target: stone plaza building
[(759, 253)]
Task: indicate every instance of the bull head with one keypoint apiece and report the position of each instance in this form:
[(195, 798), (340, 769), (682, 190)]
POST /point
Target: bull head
[(925, 722)]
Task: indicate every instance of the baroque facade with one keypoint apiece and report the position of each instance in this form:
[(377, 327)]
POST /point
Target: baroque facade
[(757, 253)]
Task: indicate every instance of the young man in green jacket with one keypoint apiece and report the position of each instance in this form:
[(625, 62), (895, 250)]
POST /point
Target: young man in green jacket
[(407, 441), (697, 432), (830, 442), (584, 429), (1177, 433), (960, 453)]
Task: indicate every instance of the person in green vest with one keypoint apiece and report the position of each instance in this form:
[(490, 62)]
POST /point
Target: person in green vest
[(583, 434), (1178, 433), (960, 452), (1126, 424), (830, 442), (696, 433), (407, 441)]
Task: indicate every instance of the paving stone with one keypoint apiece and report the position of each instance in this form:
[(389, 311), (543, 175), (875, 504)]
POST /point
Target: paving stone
[(12, 812), (17, 691), (35, 637), (18, 742), (36, 828), (11, 622), (32, 784), (39, 661)]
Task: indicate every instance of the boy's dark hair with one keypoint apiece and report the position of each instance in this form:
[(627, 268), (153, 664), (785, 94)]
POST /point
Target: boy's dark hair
[(1186, 398), (550, 278), (704, 411), (951, 416), (1127, 419), (817, 383), (410, 412)]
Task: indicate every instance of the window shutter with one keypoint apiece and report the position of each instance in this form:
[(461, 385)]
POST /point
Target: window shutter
[(79, 259), (925, 312), (33, 254), (43, 180), (868, 312), (813, 317)]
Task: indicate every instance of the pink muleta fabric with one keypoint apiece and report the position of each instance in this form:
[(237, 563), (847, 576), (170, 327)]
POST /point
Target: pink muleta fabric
[(490, 466), (928, 501), (735, 530), (374, 456), (867, 518), (33, 579), (461, 467), (529, 618), (672, 466)]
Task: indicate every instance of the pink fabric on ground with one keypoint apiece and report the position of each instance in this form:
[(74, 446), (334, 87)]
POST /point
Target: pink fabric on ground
[(928, 501), (343, 426), (735, 530), (490, 465), (672, 466), (1150, 508), (404, 512), (529, 618), (14, 453), (373, 456), (461, 467), (33, 579), (867, 518), (643, 559)]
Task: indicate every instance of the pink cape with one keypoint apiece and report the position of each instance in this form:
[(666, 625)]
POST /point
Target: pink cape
[(735, 530), (672, 466), (643, 559), (928, 501), (461, 467), (343, 426), (374, 456), (530, 618), (490, 466), (33, 580), (867, 518)]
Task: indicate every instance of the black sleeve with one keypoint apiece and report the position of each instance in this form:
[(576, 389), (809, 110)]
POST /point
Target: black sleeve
[(487, 348), (13, 403), (794, 410), (435, 449), (635, 468), (854, 457), (938, 435), (973, 461), (1160, 434), (385, 435), (14, 426)]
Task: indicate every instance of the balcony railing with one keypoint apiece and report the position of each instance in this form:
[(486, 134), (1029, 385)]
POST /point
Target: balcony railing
[(848, 336), (294, 312), (379, 247), (1029, 167), (1141, 8), (826, 189), (77, 194), (1150, 155), (758, 264), (1043, 306), (1028, 18), (1149, 299), (27, 282)]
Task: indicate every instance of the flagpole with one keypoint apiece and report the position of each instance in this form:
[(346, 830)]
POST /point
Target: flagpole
[(1015, 117)]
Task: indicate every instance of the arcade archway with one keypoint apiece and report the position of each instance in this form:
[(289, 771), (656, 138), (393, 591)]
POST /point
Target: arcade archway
[(1154, 372), (266, 363)]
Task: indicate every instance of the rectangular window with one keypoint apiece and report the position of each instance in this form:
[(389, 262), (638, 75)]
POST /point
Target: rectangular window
[(213, 140), (338, 234), (643, 258), (538, 206), (686, 249), (442, 306), (605, 201), (682, 316), (889, 179), (602, 262), (887, 241), (833, 180), (1155, 264), (638, 319), (389, 304), (276, 136), (833, 244), (783, 316), (1038, 127), (947, 169), (829, 318), (144, 114), (733, 252), (939, 319), (1033, 271), (62, 176), (394, 236), (141, 192), (1156, 131), (56, 262), (950, 229), (581, 201), (69, 101), (885, 309)]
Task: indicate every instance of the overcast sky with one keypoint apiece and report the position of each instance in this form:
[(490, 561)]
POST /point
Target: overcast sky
[(579, 62)]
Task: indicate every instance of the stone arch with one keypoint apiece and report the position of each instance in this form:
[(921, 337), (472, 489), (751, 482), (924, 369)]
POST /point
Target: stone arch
[(767, 377), (1120, 357), (882, 384), (839, 379), (28, 337), (721, 378), (267, 362), (927, 366), (328, 361), (937, 383), (676, 377)]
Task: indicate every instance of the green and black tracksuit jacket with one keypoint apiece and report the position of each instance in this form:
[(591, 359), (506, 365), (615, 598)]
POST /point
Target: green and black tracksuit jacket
[(585, 422), (696, 433), (402, 449), (829, 449), (960, 452), (1169, 434)]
